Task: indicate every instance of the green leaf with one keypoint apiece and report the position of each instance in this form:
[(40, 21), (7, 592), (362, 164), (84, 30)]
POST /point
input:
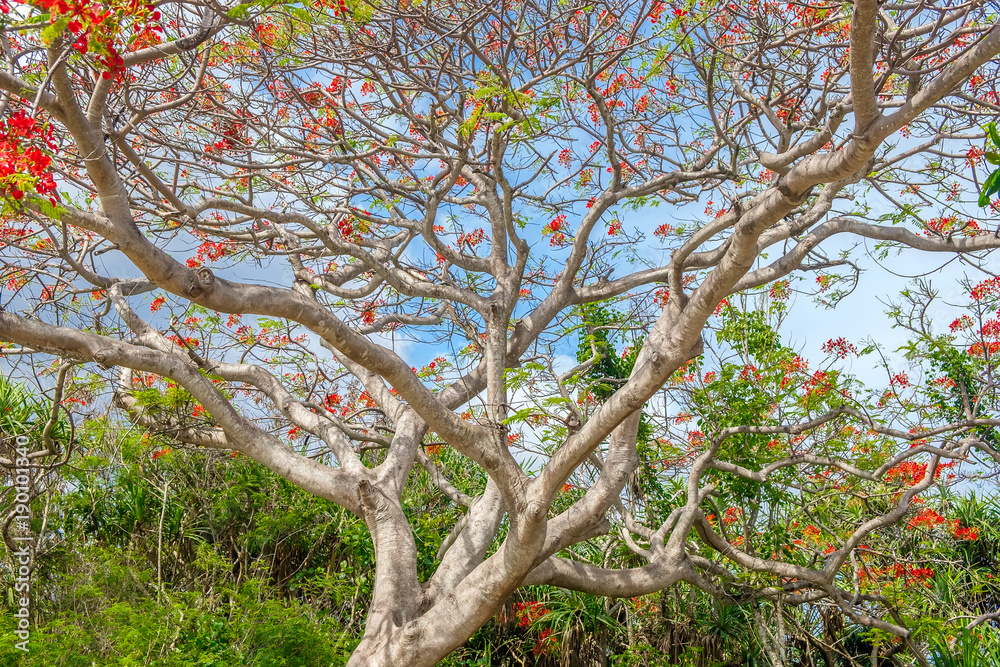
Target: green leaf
[(52, 31), (992, 183), (50, 210), (991, 129), (991, 186), (238, 12), (992, 158)]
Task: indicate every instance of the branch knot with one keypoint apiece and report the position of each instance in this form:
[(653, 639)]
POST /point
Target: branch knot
[(204, 280)]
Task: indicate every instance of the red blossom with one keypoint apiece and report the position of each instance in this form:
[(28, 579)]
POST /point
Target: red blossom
[(473, 238), (967, 533), (812, 532), (818, 384), (974, 156), (984, 349), (780, 290), (925, 518), (547, 644), (663, 231), (24, 165), (986, 288), (839, 347), (964, 322), (907, 473), (529, 612)]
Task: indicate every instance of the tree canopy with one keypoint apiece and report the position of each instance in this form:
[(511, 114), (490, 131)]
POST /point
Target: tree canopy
[(539, 251)]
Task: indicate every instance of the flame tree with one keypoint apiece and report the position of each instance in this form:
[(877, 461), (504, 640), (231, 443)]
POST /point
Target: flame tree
[(354, 241)]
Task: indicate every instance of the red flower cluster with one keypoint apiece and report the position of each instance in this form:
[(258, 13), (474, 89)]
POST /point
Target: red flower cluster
[(366, 398), (555, 229), (950, 225), (187, 341), (732, 515), (792, 366), (900, 379), (96, 26), (819, 384), (656, 12), (780, 290), (339, 7), (907, 473), (23, 165), (812, 532), (967, 533), (990, 328), (839, 347), (988, 287), (944, 383), (912, 575), (926, 518), (982, 350), (663, 231), (964, 322), (974, 156), (547, 643), (473, 238), (233, 136), (566, 158), (527, 613), (210, 251)]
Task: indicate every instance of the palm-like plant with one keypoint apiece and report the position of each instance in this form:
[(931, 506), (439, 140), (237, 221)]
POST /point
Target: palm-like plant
[(972, 648), (23, 413)]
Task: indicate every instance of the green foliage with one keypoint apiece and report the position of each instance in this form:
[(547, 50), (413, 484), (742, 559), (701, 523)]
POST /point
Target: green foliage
[(971, 648), (992, 183), (113, 620), (746, 390), (254, 571), (611, 369), (605, 375), (23, 413)]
